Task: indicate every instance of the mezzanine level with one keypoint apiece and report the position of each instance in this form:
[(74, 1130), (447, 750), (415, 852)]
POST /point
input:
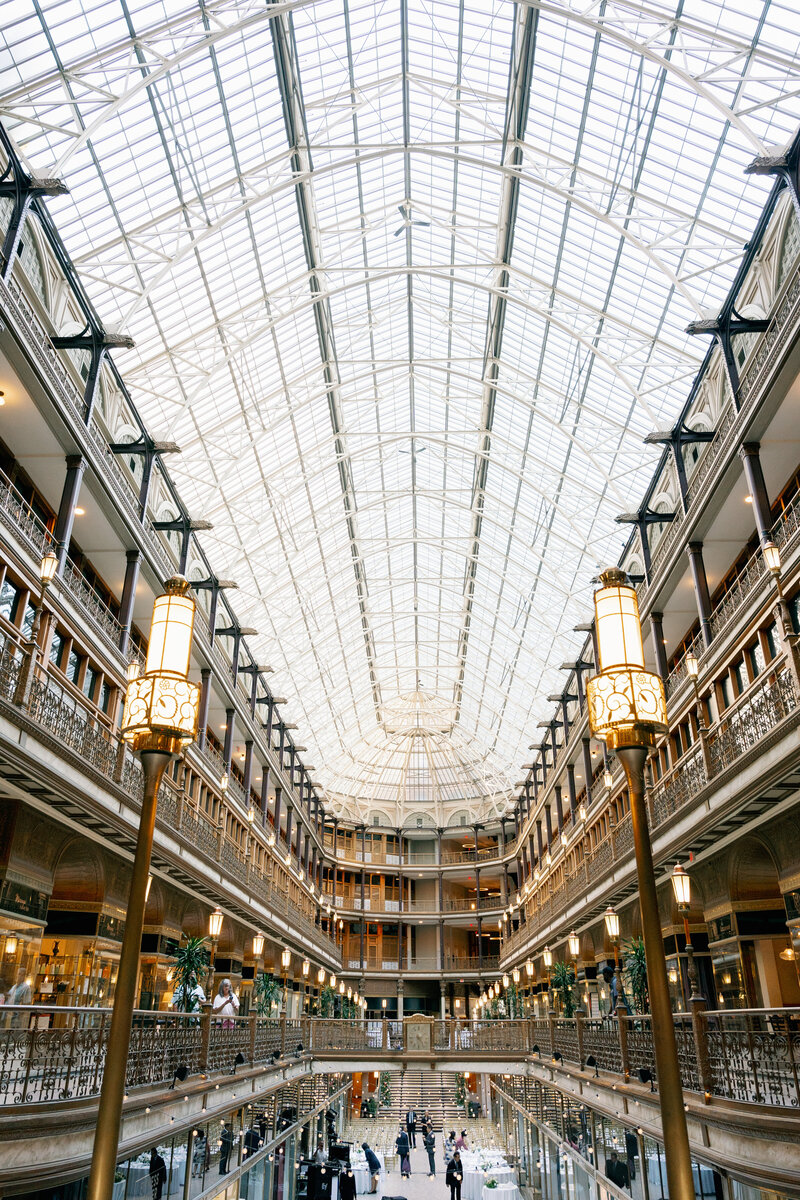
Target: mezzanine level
[(55, 750), (749, 1056)]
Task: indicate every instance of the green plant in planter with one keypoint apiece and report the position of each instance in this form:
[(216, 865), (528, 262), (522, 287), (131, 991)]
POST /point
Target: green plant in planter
[(562, 977), (325, 1001), (267, 994), (191, 966), (635, 972), (461, 1089), (384, 1090)]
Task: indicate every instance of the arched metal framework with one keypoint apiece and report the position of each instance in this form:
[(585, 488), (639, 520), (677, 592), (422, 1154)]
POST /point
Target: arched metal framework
[(407, 283)]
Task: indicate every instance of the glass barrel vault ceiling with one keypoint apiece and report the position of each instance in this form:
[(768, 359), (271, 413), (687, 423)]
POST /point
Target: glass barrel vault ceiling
[(407, 281)]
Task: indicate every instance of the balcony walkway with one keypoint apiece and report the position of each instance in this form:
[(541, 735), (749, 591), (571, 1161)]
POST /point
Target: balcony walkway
[(49, 1055)]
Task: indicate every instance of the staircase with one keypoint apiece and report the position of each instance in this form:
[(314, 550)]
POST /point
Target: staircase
[(434, 1091)]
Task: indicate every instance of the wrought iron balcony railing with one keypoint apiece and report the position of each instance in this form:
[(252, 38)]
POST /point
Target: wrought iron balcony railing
[(750, 1056)]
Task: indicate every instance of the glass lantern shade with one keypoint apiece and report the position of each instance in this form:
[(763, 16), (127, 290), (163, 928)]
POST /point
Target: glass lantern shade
[(47, 568), (162, 701), (772, 557), (321, 975), (306, 968), (627, 704), (574, 945), (215, 923), (619, 632), (286, 959), (341, 988), (349, 993), (11, 945), (333, 981), (682, 888), (692, 665), (612, 923), (258, 945), (547, 956), (170, 641), (515, 974), (529, 969), (506, 981)]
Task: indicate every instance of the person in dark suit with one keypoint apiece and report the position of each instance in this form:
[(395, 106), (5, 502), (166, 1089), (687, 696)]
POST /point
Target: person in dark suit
[(158, 1173), (411, 1126), (402, 1147), (347, 1185), (429, 1143), (617, 1171), (225, 1147), (632, 1151), (454, 1176)]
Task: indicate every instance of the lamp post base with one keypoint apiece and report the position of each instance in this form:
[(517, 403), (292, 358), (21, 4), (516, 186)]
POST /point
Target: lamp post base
[(680, 1182), (106, 1137)]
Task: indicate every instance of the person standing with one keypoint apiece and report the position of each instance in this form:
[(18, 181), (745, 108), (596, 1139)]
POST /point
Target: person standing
[(430, 1146), (347, 1185), (373, 1166), (454, 1176), (225, 1147), (158, 1173), (616, 1170), (226, 1003), (252, 1141), (449, 1146), (403, 1148), (411, 1127)]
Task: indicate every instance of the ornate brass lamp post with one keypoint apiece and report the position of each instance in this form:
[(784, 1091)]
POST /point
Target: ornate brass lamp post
[(682, 889), (306, 968), (214, 930), (612, 929), (159, 719), (286, 962), (628, 710)]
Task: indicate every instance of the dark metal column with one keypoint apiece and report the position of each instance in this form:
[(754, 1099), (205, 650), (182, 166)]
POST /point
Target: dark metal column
[(248, 771), (62, 533), (657, 638), (227, 750), (202, 713), (588, 771), (751, 461), (264, 793), (701, 595), (277, 811), (133, 561), (573, 798)]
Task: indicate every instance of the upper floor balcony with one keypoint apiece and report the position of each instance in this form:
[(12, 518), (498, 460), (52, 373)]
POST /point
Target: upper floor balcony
[(62, 728)]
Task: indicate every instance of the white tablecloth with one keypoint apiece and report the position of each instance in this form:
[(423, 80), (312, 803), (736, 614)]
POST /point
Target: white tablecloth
[(504, 1191), (474, 1182)]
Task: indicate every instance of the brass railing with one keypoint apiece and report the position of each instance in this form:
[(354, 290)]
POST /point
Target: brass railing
[(750, 1056)]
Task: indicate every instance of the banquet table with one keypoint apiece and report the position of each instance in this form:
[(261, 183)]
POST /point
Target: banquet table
[(479, 1167), (359, 1165), (503, 1191)]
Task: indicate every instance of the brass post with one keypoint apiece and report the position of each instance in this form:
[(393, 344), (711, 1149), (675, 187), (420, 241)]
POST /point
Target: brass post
[(680, 1182), (205, 1034), (106, 1138), (579, 1033)]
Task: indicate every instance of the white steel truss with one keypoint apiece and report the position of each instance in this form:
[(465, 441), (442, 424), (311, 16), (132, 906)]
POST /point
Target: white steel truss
[(408, 282)]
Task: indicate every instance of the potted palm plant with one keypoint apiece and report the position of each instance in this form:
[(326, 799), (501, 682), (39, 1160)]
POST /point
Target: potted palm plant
[(191, 965)]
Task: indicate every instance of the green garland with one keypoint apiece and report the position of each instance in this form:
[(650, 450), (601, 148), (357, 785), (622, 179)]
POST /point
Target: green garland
[(461, 1090), (384, 1090)]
